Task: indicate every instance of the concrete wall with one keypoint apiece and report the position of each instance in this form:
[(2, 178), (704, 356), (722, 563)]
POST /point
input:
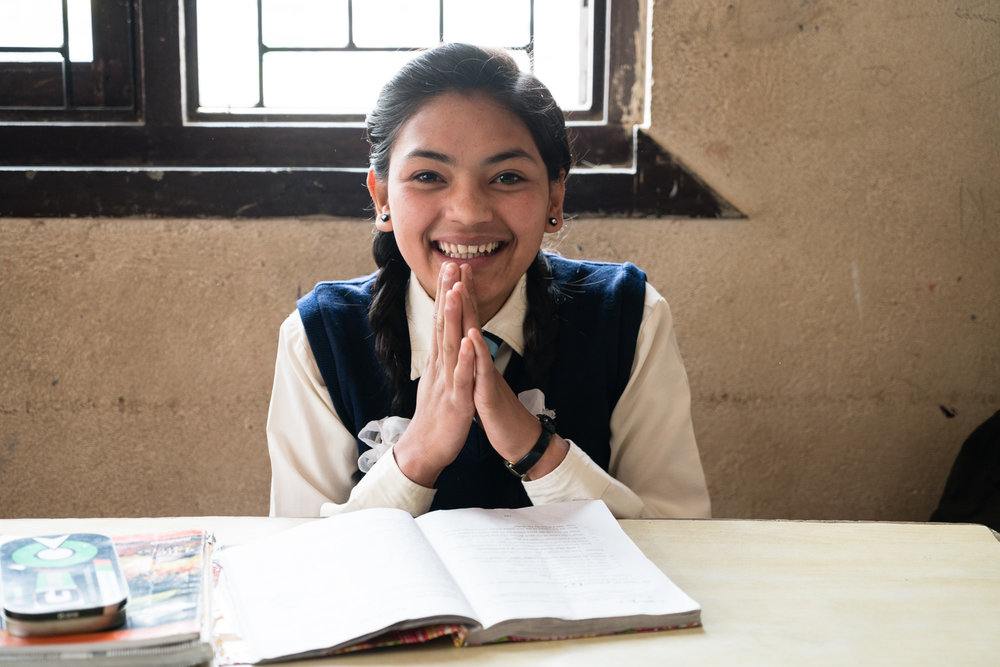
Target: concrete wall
[(841, 341)]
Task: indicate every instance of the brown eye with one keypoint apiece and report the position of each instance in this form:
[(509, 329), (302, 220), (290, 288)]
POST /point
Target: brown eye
[(426, 177), (508, 178)]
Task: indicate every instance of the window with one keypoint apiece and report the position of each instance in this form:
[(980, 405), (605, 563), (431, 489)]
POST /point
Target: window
[(66, 60), (250, 57), (155, 122)]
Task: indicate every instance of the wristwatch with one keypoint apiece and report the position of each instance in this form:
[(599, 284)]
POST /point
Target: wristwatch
[(521, 468)]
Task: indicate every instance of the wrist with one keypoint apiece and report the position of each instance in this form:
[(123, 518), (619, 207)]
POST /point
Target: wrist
[(523, 465), (414, 464), (554, 455), (512, 434)]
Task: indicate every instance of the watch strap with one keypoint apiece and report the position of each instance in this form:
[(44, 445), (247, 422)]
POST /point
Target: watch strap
[(527, 462)]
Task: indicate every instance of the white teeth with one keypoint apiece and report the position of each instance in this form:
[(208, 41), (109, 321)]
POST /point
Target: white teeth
[(462, 251)]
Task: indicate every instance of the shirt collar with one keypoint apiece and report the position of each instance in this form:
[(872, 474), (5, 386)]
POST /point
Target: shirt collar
[(506, 324)]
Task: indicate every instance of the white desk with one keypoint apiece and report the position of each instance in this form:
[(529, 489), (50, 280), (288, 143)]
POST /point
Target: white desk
[(772, 592)]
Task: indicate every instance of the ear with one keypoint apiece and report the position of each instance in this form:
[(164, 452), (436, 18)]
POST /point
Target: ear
[(379, 192), (557, 194)]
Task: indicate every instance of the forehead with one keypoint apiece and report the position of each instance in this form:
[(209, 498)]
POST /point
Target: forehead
[(464, 126)]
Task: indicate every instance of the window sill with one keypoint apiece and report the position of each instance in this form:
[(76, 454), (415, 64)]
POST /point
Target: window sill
[(655, 185)]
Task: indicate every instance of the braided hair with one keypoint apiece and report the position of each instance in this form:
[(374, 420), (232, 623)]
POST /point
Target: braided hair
[(465, 69)]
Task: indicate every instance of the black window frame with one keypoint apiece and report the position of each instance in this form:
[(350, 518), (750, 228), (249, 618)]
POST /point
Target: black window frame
[(162, 158), (101, 90)]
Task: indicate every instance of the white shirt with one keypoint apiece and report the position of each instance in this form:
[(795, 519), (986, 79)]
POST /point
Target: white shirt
[(654, 471)]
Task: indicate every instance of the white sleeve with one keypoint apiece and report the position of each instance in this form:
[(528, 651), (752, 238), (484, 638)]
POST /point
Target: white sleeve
[(655, 469), (314, 458)]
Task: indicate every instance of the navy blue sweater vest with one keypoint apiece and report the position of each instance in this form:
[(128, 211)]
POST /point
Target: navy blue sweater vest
[(599, 313)]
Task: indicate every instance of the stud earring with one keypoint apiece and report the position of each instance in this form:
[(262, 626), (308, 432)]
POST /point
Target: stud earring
[(553, 222), (385, 217)]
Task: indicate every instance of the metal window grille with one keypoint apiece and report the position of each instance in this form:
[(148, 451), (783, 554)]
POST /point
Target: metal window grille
[(200, 107), (44, 83), (62, 50)]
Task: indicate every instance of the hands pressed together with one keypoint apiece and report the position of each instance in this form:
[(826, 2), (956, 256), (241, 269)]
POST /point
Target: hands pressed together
[(460, 382)]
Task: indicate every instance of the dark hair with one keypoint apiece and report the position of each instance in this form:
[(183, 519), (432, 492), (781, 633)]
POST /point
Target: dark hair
[(468, 69), (465, 69)]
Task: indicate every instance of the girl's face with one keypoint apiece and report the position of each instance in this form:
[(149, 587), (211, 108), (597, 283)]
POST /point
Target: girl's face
[(467, 184)]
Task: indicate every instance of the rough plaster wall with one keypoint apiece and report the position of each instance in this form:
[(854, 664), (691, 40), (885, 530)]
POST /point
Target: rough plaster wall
[(822, 335), (138, 355)]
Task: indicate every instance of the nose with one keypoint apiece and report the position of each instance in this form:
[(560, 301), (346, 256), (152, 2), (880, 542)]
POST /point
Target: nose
[(468, 203)]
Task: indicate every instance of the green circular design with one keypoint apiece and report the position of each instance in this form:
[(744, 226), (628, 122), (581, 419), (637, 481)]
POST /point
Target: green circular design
[(82, 552)]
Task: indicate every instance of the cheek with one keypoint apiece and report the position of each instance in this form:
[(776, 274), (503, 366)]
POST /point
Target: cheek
[(408, 211), (409, 227), (412, 213), (414, 248), (530, 220), (534, 207)]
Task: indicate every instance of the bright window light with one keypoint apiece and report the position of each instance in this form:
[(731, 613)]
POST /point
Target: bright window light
[(228, 53), (415, 23), (304, 23), (488, 22), (35, 28), (81, 31), (332, 56)]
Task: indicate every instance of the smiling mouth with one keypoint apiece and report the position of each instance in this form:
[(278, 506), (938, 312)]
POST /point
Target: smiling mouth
[(461, 251)]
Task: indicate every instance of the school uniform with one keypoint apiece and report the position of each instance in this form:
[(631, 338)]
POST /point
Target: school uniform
[(617, 387)]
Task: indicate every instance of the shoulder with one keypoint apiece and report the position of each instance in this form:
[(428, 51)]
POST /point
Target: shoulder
[(336, 301), (589, 273), (607, 286), (335, 314), (654, 302), (657, 318), (335, 292)]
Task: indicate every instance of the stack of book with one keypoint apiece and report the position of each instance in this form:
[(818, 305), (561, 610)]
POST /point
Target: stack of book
[(168, 615)]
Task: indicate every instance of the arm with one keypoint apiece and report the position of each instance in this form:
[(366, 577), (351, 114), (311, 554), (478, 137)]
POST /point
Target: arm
[(655, 469), (314, 459)]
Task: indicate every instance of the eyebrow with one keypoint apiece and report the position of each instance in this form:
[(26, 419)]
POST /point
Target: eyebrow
[(503, 156), (430, 155), (513, 154)]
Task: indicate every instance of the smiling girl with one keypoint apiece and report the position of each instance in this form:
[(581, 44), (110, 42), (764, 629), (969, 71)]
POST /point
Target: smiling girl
[(473, 369)]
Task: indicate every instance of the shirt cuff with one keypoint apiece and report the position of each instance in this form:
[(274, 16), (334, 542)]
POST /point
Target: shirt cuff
[(384, 485), (579, 478), (572, 476)]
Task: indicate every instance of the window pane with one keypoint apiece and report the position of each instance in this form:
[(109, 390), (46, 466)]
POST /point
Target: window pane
[(299, 77), (228, 51), (30, 57), (39, 24), (305, 23), (487, 22), (563, 50), (339, 82), (31, 23), (414, 23), (521, 58), (81, 33)]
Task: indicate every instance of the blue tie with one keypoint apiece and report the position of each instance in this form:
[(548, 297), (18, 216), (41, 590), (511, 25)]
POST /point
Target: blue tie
[(493, 341)]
